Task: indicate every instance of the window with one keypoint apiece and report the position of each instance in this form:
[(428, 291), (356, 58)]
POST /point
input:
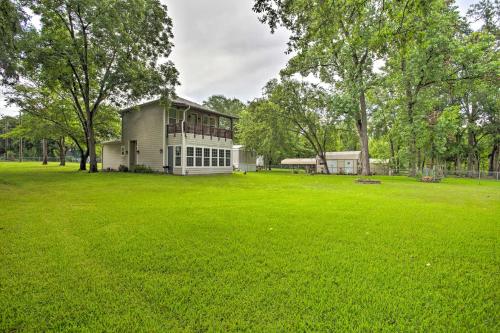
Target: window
[(171, 116), (178, 155), (180, 115), (122, 149), (228, 158), (221, 157), (206, 157), (214, 157), (199, 155), (189, 156)]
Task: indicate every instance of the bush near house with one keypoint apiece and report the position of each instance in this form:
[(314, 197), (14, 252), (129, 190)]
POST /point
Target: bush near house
[(266, 252)]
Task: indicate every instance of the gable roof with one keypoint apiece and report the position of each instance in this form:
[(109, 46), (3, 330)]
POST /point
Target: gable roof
[(343, 155), (181, 102), (299, 161)]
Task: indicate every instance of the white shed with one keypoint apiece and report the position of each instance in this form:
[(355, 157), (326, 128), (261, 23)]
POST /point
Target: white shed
[(341, 162), (243, 159)]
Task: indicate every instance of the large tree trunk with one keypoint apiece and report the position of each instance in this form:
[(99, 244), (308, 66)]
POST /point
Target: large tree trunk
[(471, 154), (83, 159), (45, 156), (471, 139), (493, 164), (458, 165), (62, 151), (322, 156), (91, 146), (362, 126)]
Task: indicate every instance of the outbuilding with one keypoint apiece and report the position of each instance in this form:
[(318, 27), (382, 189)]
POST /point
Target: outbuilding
[(244, 159), (340, 162), (309, 164)]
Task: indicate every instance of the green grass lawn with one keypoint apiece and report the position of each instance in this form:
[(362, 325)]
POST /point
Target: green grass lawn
[(258, 252)]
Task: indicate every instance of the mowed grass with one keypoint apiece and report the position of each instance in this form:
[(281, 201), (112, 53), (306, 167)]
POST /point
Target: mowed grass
[(267, 251)]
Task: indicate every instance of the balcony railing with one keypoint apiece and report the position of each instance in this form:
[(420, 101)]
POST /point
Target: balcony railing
[(200, 130)]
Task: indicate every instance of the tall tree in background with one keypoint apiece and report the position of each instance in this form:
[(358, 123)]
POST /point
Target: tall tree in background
[(420, 39), (101, 52), (12, 25), (223, 104), (307, 111), (55, 107), (262, 129), (337, 40)]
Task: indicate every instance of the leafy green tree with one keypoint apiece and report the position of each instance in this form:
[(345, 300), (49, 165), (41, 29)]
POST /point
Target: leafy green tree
[(54, 108), (101, 53), (12, 26), (307, 111), (262, 129), (223, 104), (487, 11), (337, 40), (420, 44)]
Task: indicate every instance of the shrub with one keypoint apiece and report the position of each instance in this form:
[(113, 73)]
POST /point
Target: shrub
[(142, 169), (123, 168)]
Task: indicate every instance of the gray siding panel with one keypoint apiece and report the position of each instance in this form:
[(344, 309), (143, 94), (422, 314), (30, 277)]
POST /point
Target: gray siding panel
[(145, 126), (111, 156)]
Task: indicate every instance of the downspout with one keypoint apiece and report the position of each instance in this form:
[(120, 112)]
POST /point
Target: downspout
[(164, 151), (183, 145)]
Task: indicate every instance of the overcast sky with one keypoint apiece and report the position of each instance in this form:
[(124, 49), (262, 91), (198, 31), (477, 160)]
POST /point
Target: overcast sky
[(222, 48)]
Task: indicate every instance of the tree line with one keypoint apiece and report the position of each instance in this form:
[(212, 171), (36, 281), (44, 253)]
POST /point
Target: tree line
[(409, 81)]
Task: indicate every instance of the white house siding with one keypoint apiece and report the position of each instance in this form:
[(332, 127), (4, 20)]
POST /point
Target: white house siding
[(192, 140), (111, 156), (145, 126)]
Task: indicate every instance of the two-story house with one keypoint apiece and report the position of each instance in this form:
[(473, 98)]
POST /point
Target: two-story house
[(184, 139)]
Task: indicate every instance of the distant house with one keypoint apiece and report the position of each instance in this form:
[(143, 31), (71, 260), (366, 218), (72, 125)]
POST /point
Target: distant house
[(244, 159), (185, 139), (342, 162)]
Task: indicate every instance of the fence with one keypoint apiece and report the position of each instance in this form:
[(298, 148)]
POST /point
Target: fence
[(492, 175), (40, 159)]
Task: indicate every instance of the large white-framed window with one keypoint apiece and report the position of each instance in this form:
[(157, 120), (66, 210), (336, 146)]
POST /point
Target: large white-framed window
[(189, 156), (199, 156), (214, 158), (221, 157), (206, 157), (178, 156), (228, 158)]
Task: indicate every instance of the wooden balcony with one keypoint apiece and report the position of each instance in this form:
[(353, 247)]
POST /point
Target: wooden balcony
[(202, 130)]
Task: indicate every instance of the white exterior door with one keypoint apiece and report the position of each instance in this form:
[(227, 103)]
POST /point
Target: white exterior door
[(349, 166), (332, 166)]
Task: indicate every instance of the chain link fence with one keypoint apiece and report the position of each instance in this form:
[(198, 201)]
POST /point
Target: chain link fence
[(69, 159)]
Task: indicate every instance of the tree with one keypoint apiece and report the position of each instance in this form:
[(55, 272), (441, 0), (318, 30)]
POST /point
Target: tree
[(262, 129), (100, 52), (223, 104), (337, 40), (307, 111), (12, 25), (487, 11), (54, 107)]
